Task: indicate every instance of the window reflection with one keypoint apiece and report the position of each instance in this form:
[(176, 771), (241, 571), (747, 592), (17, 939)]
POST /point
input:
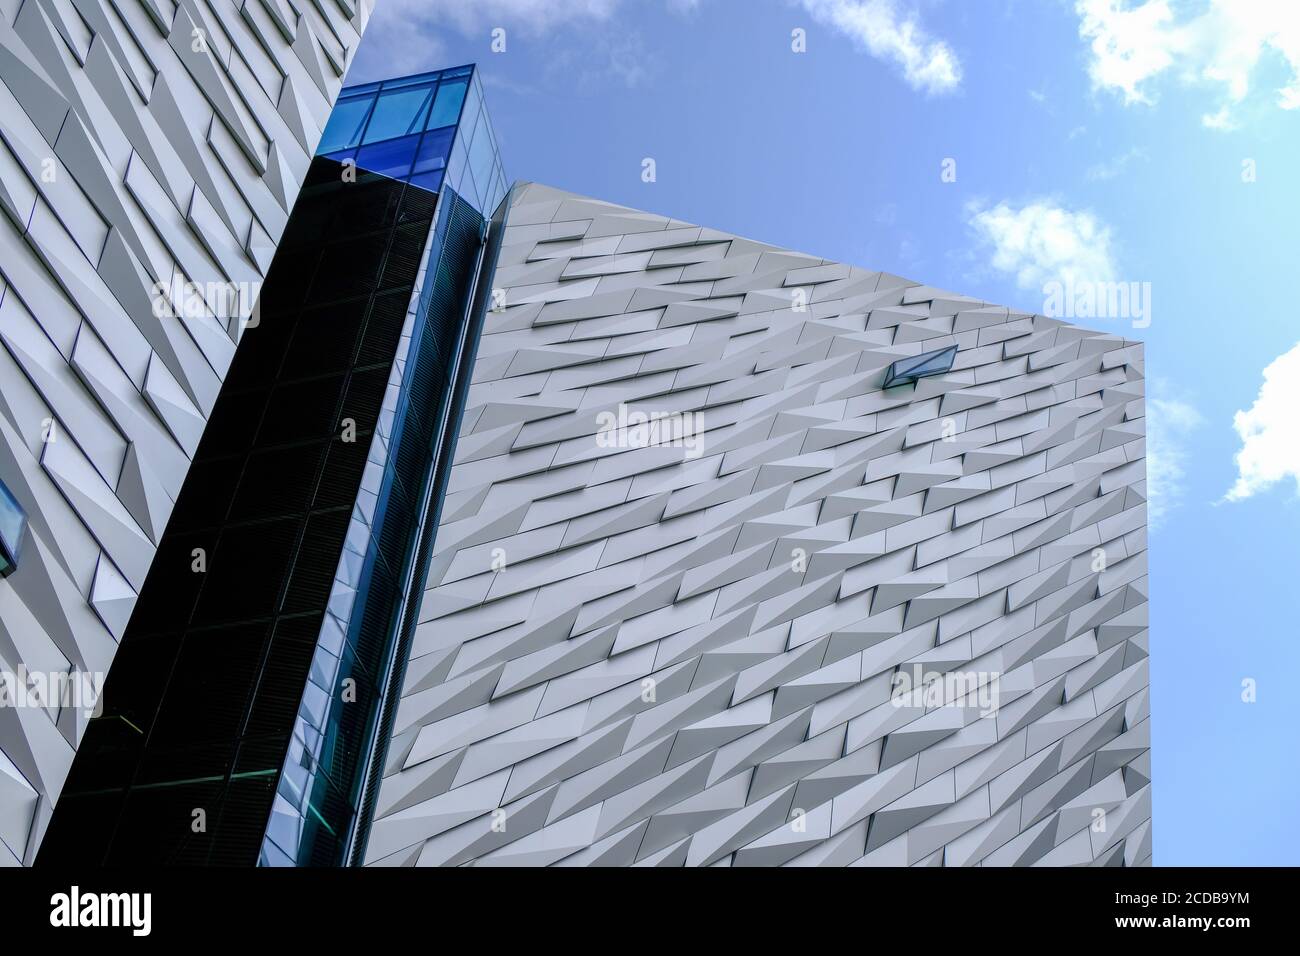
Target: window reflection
[(399, 113), (13, 521), (346, 123), (446, 108), (378, 127)]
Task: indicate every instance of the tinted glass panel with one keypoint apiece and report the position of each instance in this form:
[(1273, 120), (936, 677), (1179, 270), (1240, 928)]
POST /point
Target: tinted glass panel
[(198, 707), (430, 181), (908, 370), (382, 627), (391, 158), (12, 523), (346, 122), (446, 108), (398, 113), (482, 154), (415, 79), (449, 106), (433, 150)]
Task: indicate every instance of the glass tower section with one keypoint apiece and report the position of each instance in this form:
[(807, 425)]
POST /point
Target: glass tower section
[(244, 719)]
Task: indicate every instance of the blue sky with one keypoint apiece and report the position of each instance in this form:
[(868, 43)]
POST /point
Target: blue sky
[(992, 147)]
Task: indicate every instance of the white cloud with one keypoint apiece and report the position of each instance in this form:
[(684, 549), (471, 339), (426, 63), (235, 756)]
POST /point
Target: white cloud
[(600, 57), (928, 64), (1270, 430), (1218, 45), (1101, 172), (1042, 242), (403, 35), (1129, 46), (1169, 423)]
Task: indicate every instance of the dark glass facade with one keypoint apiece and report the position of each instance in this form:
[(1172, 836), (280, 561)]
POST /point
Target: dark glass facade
[(321, 797), (242, 719), (445, 347)]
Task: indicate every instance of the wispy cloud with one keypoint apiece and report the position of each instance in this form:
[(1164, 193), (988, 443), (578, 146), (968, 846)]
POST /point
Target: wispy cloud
[(1169, 424), (928, 64), (1270, 430), (1042, 241), (622, 55), (1218, 45), (407, 36), (1109, 170)]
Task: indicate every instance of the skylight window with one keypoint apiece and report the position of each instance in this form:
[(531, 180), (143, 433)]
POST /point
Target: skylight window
[(909, 370)]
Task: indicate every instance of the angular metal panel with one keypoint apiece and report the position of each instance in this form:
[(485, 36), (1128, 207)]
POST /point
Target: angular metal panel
[(144, 145), (694, 560)]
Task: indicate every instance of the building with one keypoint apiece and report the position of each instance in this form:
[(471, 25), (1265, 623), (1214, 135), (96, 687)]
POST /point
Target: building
[(705, 591), (150, 153), (250, 681), (528, 529)]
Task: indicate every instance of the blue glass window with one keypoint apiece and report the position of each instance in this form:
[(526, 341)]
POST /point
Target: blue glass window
[(446, 108), (398, 113), (346, 122), (431, 181), (13, 522), (412, 80), (390, 158), (342, 155), (482, 155), (434, 150), (378, 126), (908, 370), (457, 163), (498, 189)]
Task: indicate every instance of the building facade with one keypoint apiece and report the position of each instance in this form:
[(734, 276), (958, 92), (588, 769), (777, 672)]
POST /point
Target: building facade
[(150, 153), (527, 529), (238, 722), (751, 558)]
